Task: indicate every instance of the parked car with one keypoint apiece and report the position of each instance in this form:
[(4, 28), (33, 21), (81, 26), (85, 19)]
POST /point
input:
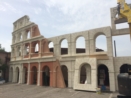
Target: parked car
[(2, 81)]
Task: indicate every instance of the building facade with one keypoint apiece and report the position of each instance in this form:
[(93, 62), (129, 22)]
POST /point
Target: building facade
[(32, 62)]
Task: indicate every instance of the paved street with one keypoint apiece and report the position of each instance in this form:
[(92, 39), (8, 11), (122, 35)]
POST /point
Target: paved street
[(32, 91)]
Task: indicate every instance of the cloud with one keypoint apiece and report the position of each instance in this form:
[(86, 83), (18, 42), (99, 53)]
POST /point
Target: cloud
[(2, 8), (28, 1), (37, 10)]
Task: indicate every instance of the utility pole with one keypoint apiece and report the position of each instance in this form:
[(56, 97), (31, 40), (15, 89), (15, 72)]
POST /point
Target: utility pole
[(115, 48)]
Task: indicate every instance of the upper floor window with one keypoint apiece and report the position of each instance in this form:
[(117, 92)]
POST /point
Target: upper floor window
[(101, 43), (80, 45)]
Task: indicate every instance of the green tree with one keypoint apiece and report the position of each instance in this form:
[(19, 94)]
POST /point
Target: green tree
[(3, 67)]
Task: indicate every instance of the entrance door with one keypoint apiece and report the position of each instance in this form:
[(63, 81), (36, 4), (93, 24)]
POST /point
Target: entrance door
[(34, 73), (46, 76), (103, 77)]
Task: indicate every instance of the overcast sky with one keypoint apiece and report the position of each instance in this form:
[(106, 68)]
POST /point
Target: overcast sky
[(58, 17)]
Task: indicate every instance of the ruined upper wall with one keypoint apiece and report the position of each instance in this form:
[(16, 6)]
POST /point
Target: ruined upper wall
[(24, 29), (23, 21)]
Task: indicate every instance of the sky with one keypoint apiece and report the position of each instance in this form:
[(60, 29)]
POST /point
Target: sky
[(58, 17)]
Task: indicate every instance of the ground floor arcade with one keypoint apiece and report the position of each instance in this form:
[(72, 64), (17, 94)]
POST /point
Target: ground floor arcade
[(86, 76)]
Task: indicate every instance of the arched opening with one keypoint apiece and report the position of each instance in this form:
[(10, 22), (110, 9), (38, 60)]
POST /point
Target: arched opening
[(27, 50), (28, 34), (11, 74), (103, 77), (125, 68), (19, 51), (25, 75), (34, 75), (65, 74), (17, 74), (21, 37), (85, 74), (36, 48), (101, 43), (80, 45), (51, 46), (64, 47), (46, 76)]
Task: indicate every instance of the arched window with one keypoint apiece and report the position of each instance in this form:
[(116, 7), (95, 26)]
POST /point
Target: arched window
[(64, 47), (19, 51), (28, 34), (21, 38), (36, 48), (80, 45), (85, 74), (27, 50), (51, 46), (101, 43)]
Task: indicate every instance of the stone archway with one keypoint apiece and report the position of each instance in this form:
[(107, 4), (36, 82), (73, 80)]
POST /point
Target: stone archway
[(85, 74), (34, 75), (17, 74), (64, 70), (46, 76), (125, 68), (103, 77)]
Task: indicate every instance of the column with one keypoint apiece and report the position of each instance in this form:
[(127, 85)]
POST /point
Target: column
[(116, 81), (31, 32), (20, 76), (28, 81), (38, 76), (70, 79), (112, 81), (30, 49), (69, 48), (40, 48), (21, 51), (92, 46), (57, 51), (87, 46), (14, 76), (73, 48)]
